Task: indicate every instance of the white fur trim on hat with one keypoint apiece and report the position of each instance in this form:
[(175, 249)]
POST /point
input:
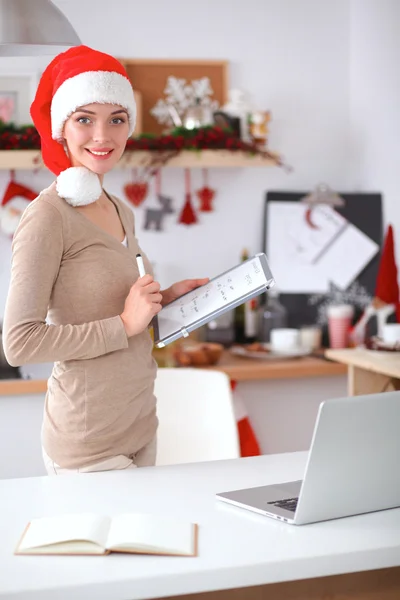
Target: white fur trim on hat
[(105, 87), (78, 186)]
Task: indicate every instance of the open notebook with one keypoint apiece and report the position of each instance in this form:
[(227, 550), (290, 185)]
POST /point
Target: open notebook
[(95, 534)]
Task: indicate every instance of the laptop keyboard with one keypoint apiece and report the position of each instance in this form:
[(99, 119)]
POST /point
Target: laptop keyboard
[(287, 504)]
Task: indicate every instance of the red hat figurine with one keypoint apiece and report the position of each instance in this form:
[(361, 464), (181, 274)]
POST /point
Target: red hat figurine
[(15, 199), (386, 300)]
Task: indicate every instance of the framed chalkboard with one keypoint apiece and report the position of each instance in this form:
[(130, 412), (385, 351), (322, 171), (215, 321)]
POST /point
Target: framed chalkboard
[(306, 306)]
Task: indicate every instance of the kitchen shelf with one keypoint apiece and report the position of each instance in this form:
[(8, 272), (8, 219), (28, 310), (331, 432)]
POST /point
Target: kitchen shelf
[(32, 159)]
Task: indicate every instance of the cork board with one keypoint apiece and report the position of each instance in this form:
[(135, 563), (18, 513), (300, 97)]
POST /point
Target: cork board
[(149, 78)]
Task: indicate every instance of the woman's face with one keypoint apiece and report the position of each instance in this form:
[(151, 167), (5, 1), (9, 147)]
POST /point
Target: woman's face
[(96, 135)]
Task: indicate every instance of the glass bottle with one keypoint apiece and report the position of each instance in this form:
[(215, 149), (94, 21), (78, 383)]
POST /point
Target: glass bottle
[(246, 317), (274, 315)]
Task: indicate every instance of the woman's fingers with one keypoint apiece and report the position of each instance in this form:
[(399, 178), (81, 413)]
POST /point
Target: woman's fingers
[(156, 297)]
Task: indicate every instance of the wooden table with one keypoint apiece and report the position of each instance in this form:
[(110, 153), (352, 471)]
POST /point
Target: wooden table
[(250, 369), (369, 372), (242, 555)]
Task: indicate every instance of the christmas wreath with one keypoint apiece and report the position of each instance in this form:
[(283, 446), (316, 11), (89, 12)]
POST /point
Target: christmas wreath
[(26, 137)]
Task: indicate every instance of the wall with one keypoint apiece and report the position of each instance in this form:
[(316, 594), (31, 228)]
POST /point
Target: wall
[(291, 56), (375, 102)]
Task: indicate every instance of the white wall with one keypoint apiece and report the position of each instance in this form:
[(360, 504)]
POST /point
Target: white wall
[(375, 102), (290, 55)]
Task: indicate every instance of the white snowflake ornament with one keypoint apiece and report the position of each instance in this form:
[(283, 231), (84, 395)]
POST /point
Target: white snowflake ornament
[(181, 96)]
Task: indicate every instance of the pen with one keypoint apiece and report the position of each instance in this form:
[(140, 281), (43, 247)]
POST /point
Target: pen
[(140, 265)]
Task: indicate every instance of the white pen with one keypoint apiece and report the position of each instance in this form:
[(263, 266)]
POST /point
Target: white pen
[(140, 265)]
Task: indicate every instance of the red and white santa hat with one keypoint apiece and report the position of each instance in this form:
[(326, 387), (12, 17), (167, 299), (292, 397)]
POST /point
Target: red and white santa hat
[(75, 78)]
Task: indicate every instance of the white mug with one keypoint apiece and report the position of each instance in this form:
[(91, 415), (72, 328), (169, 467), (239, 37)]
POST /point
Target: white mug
[(284, 339), (310, 337), (391, 333)]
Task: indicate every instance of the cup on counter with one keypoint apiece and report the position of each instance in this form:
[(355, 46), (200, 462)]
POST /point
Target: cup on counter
[(339, 324), (311, 337), (284, 339), (391, 334)]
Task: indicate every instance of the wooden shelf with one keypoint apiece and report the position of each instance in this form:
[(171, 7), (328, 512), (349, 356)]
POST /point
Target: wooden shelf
[(32, 159)]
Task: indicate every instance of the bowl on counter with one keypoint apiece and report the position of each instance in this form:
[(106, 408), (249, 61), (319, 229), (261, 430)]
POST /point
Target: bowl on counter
[(197, 354)]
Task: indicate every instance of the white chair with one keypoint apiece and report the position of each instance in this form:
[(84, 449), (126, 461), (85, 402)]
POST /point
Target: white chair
[(196, 417)]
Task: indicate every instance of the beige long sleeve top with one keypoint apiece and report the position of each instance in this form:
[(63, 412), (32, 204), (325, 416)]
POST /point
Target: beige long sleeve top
[(69, 281)]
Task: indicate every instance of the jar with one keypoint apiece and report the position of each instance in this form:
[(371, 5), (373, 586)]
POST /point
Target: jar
[(274, 315)]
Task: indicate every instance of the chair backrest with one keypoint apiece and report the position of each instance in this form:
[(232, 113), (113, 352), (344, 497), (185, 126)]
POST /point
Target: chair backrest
[(196, 416)]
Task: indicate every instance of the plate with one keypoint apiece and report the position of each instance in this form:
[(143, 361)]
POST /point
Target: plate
[(269, 354)]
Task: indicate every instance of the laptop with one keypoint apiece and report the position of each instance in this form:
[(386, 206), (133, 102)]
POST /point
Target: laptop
[(352, 467)]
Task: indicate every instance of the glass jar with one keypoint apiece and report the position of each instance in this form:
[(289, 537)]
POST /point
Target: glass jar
[(274, 315)]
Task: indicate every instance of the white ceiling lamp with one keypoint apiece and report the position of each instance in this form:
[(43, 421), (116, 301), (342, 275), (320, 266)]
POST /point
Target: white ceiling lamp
[(34, 28)]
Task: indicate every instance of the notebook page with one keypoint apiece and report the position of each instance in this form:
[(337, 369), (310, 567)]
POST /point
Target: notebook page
[(216, 294), (52, 530), (151, 533)]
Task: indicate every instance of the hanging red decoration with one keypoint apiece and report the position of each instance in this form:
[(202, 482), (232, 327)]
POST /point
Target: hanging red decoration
[(137, 190), (205, 194), (188, 216)]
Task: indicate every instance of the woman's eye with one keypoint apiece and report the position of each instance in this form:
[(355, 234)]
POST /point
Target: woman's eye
[(83, 120), (117, 121)]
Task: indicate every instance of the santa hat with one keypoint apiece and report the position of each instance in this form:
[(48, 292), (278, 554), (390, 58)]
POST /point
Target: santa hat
[(387, 286), (75, 78)]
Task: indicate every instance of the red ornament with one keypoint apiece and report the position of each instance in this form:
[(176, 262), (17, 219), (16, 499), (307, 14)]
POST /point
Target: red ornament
[(187, 216), (136, 191), (205, 194)]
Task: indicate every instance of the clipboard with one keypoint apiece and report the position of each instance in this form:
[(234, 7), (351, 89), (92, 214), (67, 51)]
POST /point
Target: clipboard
[(207, 302)]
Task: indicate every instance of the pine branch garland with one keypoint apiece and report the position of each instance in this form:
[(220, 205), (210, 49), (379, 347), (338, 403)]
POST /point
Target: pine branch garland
[(26, 137)]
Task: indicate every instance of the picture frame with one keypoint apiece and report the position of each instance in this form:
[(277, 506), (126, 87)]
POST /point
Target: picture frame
[(16, 95)]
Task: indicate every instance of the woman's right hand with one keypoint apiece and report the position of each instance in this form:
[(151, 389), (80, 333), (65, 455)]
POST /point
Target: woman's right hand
[(141, 305)]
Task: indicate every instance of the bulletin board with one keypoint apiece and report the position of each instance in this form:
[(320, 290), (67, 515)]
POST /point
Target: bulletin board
[(149, 78), (307, 298)]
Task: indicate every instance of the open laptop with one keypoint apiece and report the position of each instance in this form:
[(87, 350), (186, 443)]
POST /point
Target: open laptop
[(352, 467)]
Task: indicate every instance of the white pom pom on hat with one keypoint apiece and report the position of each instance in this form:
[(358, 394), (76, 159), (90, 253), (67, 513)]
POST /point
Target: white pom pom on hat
[(75, 78), (78, 186)]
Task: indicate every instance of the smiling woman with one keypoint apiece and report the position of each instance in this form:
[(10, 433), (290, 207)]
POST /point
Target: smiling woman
[(76, 296), (95, 136)]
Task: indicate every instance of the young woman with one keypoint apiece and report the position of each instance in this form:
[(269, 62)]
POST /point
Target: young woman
[(75, 297)]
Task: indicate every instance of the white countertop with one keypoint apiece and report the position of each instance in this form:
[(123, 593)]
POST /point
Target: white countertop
[(236, 548)]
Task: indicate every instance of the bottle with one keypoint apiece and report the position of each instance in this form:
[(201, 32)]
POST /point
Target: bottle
[(246, 317), (274, 315)]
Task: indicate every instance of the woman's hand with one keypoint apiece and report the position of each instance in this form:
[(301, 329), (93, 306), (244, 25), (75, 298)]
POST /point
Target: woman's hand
[(180, 288), (141, 305)]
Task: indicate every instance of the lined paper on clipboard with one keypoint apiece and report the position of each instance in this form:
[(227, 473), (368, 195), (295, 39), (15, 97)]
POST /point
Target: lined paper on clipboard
[(309, 248)]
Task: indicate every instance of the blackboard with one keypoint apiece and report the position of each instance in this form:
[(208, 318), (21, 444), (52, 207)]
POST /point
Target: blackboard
[(364, 210)]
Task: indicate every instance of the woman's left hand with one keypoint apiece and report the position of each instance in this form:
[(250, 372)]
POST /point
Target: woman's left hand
[(180, 288)]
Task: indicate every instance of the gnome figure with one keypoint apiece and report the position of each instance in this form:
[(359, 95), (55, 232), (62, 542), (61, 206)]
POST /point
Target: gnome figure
[(386, 300), (15, 200)]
